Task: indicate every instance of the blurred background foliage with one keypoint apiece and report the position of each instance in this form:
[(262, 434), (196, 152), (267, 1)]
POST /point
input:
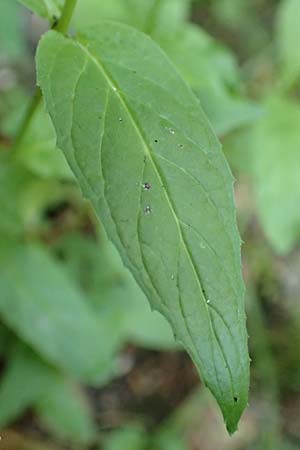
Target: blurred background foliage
[(84, 364)]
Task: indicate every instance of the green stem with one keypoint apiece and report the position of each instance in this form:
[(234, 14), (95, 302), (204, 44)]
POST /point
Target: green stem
[(61, 26), (66, 16)]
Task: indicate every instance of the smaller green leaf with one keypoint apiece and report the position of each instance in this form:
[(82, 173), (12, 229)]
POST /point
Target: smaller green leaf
[(130, 437), (48, 9), (114, 294), (11, 38), (38, 151), (227, 112), (88, 12), (155, 17), (170, 439), (276, 172), (288, 33), (25, 379), (64, 409), (212, 72), (14, 181), (201, 60), (24, 197), (42, 305)]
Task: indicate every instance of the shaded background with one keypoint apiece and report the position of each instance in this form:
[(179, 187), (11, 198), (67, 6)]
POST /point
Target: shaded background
[(84, 364)]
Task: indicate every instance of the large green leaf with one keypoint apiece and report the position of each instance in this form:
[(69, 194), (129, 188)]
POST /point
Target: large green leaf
[(275, 168), (48, 9), (146, 157), (40, 303)]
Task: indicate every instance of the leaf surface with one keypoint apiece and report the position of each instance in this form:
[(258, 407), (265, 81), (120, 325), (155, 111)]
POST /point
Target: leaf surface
[(65, 411), (212, 72), (48, 9), (11, 33), (37, 150), (41, 304), (16, 392), (288, 33), (144, 154), (29, 382), (130, 437), (151, 16), (114, 294), (276, 172)]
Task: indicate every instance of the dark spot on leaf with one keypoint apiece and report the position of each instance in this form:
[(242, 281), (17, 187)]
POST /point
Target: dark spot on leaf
[(235, 399), (155, 140), (146, 186), (147, 209)]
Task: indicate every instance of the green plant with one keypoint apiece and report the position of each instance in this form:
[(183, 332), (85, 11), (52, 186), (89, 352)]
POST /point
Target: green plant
[(129, 74), (147, 159), (120, 101)]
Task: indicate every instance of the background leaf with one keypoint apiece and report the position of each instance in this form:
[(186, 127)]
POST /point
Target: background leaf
[(58, 322), (128, 438), (24, 381), (288, 34), (113, 293), (178, 236), (48, 9), (276, 175), (13, 182), (38, 151), (155, 17), (64, 410), (11, 28), (212, 72)]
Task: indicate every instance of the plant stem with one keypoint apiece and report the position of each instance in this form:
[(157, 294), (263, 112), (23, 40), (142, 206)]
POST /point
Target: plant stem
[(66, 16), (62, 26)]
